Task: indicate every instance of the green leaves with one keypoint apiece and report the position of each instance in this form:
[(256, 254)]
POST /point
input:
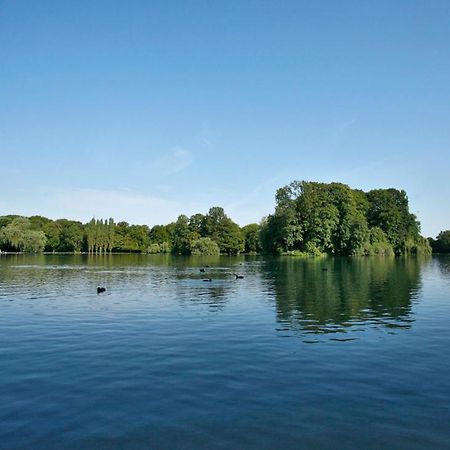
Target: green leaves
[(251, 238), (182, 236), (100, 235), (310, 218), (131, 238), (205, 246), (221, 229), (442, 242), (19, 235), (332, 218)]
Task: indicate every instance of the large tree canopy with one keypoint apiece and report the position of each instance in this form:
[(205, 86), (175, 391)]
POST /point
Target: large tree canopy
[(18, 235), (442, 242), (221, 229), (332, 218)]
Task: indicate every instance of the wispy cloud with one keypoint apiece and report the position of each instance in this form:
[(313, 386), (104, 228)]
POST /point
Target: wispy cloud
[(207, 137), (342, 126), (173, 161), (255, 203), (176, 160), (253, 193)]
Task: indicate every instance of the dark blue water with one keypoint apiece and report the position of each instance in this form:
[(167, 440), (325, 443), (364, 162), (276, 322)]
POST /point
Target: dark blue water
[(292, 356)]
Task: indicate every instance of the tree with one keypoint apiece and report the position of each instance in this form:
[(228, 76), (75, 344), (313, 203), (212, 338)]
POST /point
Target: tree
[(6, 220), (52, 232), (154, 248), (139, 237), (165, 247), (13, 233), (221, 229), (71, 235), (197, 223), (376, 244), (34, 241), (388, 210), (90, 235), (251, 238), (442, 242), (19, 235), (182, 236), (309, 218), (231, 241), (270, 235), (159, 234), (205, 246), (332, 218), (131, 238), (38, 222), (286, 218), (123, 242), (352, 230), (111, 230)]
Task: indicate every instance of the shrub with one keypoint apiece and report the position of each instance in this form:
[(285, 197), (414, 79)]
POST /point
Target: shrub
[(205, 246)]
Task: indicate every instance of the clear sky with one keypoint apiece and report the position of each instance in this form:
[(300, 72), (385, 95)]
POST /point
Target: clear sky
[(143, 110)]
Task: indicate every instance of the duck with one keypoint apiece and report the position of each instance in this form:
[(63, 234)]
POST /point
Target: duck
[(100, 290), (239, 277), (202, 270), (207, 279)]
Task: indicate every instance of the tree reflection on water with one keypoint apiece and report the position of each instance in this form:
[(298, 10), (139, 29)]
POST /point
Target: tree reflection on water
[(330, 295)]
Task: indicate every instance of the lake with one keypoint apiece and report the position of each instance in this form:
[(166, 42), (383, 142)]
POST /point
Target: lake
[(292, 356)]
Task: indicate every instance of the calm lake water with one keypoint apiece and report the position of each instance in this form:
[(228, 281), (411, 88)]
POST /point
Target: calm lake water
[(290, 357)]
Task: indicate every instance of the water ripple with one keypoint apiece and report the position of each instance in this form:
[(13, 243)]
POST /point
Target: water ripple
[(165, 360)]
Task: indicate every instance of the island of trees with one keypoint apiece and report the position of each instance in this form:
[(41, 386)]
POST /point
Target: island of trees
[(310, 218)]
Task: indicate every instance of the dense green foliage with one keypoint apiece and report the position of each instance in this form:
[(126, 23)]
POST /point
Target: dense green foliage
[(442, 242), (317, 218), (18, 234), (205, 246), (216, 225), (208, 234), (131, 238), (309, 219), (182, 236), (100, 236), (251, 238)]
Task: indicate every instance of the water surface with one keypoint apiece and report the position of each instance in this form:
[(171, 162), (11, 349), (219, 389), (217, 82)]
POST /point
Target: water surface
[(292, 356)]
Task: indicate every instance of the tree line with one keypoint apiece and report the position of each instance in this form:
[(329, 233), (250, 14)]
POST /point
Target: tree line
[(310, 218), (209, 234)]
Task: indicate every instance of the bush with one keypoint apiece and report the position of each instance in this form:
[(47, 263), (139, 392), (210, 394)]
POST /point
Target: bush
[(165, 247), (154, 248), (205, 246)]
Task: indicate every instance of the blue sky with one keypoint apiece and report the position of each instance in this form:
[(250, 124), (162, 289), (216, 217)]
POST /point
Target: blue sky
[(143, 110)]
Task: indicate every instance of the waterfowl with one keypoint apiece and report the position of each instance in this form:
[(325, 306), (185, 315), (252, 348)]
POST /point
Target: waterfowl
[(207, 279), (238, 277), (202, 270), (100, 290)]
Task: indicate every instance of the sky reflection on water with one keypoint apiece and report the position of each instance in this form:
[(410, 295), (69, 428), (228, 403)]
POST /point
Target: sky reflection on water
[(166, 360)]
